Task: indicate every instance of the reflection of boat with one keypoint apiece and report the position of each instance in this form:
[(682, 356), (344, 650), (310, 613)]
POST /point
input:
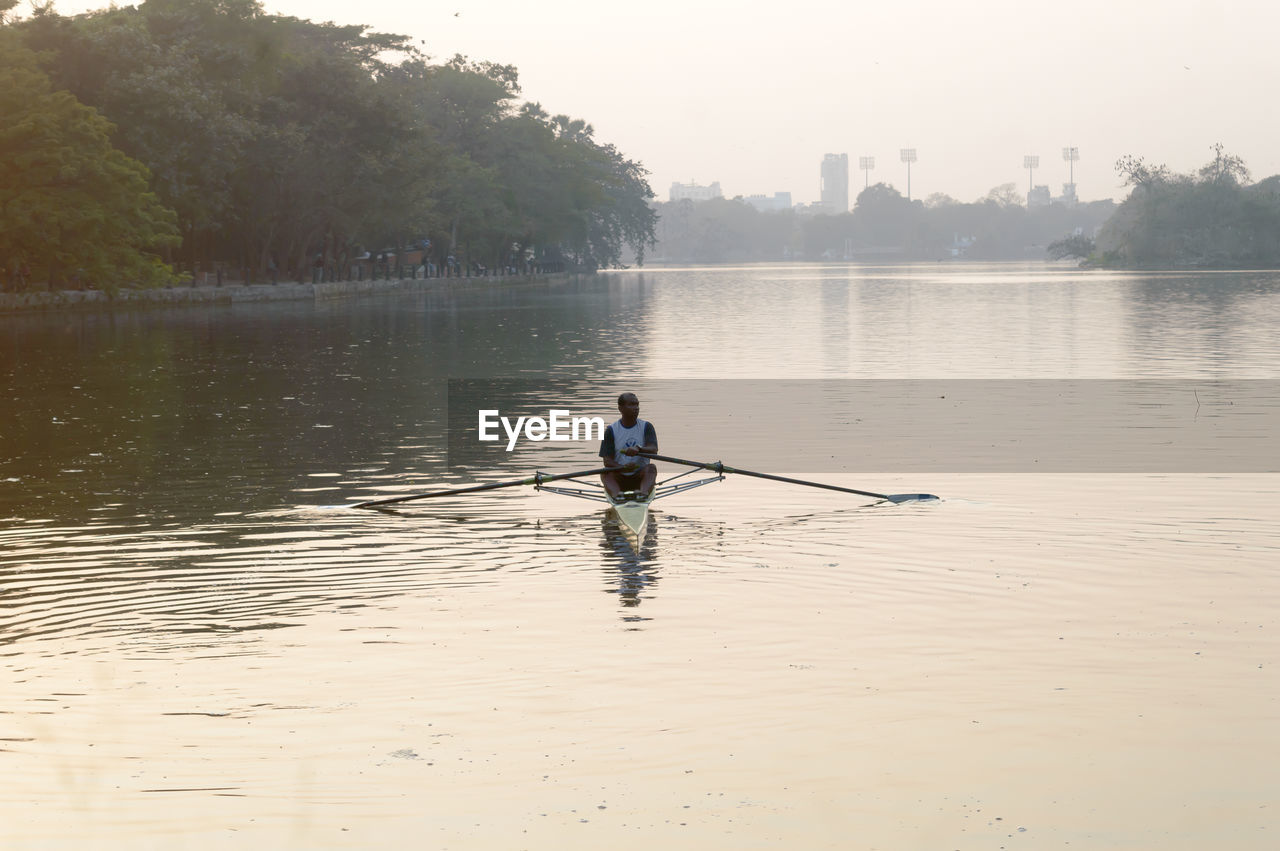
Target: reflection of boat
[(631, 563)]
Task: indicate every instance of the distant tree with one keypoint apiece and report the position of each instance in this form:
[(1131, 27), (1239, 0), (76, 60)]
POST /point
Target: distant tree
[(1225, 168), (1136, 172), (1076, 245), (724, 230), (827, 236), (885, 220), (1005, 195), (1206, 220)]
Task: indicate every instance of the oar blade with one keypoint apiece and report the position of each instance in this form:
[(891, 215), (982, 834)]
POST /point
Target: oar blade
[(899, 498)]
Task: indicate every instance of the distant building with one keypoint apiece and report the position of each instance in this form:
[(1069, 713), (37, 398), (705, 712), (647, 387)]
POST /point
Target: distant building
[(835, 183), (694, 192), (813, 209), (1039, 197), (766, 204), (960, 245)]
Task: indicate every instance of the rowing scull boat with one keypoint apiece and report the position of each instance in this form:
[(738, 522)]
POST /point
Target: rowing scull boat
[(631, 510)]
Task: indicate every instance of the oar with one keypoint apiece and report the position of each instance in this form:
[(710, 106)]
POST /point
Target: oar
[(536, 479), (724, 468)]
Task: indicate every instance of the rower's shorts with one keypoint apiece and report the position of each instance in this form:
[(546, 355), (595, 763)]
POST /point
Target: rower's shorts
[(631, 481)]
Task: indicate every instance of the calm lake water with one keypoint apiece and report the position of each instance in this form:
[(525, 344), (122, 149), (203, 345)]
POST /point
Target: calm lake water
[(201, 647)]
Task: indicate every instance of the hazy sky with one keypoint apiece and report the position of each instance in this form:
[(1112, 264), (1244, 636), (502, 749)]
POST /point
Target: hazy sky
[(716, 91)]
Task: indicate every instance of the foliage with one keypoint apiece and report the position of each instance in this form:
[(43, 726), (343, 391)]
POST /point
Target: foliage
[(1005, 195), (1224, 168), (72, 207), (1137, 173), (883, 225), (722, 230), (1207, 220), (275, 139), (1076, 245)]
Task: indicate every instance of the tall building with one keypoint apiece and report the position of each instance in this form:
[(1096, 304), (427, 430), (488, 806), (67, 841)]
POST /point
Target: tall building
[(694, 192), (835, 183)]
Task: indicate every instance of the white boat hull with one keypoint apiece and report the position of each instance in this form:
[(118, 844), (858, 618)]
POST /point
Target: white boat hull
[(632, 514)]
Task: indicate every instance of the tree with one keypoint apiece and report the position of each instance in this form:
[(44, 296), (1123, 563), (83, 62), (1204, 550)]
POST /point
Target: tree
[(173, 112), (623, 214), (71, 205), (327, 141), (1205, 220), (1136, 172), (1225, 168), (885, 220), (1076, 245), (1005, 195), (275, 138)]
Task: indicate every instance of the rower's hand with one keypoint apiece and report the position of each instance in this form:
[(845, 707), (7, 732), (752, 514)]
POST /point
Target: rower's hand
[(631, 450)]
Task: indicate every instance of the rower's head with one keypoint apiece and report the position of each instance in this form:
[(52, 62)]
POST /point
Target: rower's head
[(629, 407)]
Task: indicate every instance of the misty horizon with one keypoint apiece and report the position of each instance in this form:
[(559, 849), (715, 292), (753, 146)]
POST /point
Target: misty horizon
[(754, 102)]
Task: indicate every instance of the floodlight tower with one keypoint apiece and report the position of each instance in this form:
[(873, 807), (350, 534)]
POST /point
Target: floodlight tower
[(1071, 155), (908, 156), (867, 164), (1031, 162)]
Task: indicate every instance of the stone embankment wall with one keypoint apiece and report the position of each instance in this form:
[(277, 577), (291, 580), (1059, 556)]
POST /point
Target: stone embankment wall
[(175, 296)]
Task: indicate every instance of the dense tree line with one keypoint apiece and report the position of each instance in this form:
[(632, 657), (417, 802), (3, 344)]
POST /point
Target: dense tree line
[(184, 132), (882, 225), (1211, 219)]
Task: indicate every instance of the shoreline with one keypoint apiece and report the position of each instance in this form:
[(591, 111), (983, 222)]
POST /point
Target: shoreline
[(82, 300)]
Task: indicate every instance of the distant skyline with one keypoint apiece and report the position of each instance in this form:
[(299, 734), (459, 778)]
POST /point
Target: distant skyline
[(708, 91)]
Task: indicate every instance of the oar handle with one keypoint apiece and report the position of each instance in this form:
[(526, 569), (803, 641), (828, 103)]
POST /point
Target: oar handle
[(722, 468)]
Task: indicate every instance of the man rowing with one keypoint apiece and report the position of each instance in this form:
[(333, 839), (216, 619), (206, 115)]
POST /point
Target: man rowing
[(623, 442)]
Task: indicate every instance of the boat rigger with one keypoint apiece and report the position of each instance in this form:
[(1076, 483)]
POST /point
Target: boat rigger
[(631, 508)]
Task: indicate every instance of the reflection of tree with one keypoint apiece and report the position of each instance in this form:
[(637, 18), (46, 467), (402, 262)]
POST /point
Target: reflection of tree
[(205, 411), (630, 569), (1213, 312)]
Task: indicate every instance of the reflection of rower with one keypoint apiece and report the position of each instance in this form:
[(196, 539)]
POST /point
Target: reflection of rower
[(623, 442)]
